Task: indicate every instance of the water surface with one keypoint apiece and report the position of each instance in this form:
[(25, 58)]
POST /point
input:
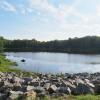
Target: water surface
[(56, 62)]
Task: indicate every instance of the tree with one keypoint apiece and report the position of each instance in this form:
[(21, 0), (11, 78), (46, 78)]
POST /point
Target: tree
[(1, 44)]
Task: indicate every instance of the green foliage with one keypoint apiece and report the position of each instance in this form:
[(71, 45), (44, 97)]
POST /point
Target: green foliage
[(1, 44), (89, 44)]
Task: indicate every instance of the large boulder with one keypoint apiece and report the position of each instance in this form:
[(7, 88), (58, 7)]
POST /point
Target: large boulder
[(35, 84), (52, 89), (46, 86), (65, 90), (79, 81), (27, 80), (17, 80), (29, 88), (83, 89), (39, 89), (3, 96), (97, 88), (70, 85), (17, 87)]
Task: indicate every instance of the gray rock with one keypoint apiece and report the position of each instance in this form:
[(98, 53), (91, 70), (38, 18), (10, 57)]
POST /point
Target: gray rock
[(46, 86), (65, 90), (52, 89), (17, 87), (68, 84), (79, 81), (3, 96), (90, 84), (17, 80), (27, 80), (29, 88), (97, 89), (35, 84), (2, 74), (83, 89), (39, 89), (15, 95)]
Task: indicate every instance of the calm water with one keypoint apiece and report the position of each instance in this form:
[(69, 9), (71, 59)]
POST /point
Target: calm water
[(56, 62)]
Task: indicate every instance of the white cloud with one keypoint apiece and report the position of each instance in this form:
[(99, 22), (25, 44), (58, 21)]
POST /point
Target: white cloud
[(59, 13), (44, 4), (7, 6), (98, 10)]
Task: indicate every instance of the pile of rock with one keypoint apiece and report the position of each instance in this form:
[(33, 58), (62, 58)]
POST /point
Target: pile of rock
[(14, 86)]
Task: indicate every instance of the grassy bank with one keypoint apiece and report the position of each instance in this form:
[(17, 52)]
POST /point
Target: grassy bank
[(6, 65)]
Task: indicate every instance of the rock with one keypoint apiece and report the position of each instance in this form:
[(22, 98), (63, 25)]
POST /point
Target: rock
[(3, 96), (46, 86), (90, 84), (23, 60), (17, 87), (97, 89), (65, 90), (6, 83), (15, 95), (87, 81), (66, 83), (1, 83), (29, 88), (83, 89), (30, 95), (52, 89), (27, 79), (2, 74), (39, 89), (35, 84), (78, 81), (17, 80), (55, 80)]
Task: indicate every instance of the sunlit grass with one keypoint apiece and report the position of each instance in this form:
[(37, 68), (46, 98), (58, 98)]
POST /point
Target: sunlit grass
[(80, 97), (6, 65)]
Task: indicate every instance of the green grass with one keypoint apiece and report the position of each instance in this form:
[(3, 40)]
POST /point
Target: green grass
[(80, 97), (6, 65), (88, 97)]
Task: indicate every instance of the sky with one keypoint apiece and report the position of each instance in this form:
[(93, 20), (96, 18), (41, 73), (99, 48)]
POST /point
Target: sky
[(49, 19)]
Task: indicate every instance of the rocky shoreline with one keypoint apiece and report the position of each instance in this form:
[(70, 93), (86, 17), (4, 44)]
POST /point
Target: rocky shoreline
[(13, 86)]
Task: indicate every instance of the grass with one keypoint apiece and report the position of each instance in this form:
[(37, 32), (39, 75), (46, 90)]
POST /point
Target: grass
[(6, 65), (80, 97)]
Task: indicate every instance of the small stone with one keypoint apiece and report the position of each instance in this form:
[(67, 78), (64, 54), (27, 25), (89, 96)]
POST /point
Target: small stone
[(30, 95)]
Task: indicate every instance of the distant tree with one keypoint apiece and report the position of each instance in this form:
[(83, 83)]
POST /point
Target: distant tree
[(1, 44), (88, 44)]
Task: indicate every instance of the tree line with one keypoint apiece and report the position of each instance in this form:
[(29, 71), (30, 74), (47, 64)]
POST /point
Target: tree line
[(88, 44)]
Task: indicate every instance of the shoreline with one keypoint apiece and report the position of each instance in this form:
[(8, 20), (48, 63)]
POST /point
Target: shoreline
[(56, 52)]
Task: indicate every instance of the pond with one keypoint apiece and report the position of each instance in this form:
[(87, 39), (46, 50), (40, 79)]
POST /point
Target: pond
[(55, 62)]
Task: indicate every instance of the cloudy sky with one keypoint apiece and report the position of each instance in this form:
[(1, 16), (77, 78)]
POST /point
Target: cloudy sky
[(49, 19)]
